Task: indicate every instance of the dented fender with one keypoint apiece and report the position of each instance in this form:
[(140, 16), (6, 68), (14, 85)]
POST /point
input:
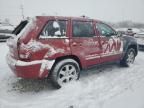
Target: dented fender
[(129, 41)]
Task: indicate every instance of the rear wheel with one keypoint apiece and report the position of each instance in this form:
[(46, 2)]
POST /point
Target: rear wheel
[(64, 72), (128, 58)]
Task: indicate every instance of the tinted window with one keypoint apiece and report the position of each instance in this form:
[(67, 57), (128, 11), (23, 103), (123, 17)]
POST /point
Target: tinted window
[(104, 29), (54, 28), (20, 27), (83, 29)]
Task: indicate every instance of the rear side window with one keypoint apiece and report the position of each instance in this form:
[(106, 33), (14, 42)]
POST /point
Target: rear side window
[(83, 29), (54, 28)]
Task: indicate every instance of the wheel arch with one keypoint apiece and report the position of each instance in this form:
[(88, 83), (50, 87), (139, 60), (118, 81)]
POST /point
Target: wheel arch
[(134, 47), (68, 57), (130, 42)]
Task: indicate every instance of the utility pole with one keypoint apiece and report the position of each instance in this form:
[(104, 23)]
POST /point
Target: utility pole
[(22, 11)]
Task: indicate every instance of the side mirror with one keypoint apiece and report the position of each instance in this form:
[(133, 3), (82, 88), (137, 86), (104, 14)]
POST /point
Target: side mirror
[(119, 34)]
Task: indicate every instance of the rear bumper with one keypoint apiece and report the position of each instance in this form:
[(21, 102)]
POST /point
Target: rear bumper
[(31, 70)]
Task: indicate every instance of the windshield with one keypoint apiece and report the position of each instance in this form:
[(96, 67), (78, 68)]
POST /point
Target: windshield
[(20, 27)]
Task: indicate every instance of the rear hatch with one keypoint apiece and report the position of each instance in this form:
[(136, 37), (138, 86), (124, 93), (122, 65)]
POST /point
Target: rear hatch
[(13, 42)]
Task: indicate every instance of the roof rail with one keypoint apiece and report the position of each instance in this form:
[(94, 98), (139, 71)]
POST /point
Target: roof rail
[(83, 16)]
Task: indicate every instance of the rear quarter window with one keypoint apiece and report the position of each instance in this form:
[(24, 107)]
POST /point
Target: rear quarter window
[(20, 27), (54, 29)]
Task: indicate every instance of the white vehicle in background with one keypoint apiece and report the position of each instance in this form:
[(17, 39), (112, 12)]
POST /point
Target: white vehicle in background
[(5, 31), (140, 40)]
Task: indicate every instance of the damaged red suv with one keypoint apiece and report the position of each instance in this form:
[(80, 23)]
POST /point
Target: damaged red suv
[(60, 47)]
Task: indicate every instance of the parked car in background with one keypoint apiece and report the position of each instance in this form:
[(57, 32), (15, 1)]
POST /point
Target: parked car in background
[(140, 40), (60, 47), (121, 32), (5, 31), (130, 32), (5, 36)]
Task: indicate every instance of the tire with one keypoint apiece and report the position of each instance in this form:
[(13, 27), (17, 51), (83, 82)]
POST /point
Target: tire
[(65, 71), (128, 58)]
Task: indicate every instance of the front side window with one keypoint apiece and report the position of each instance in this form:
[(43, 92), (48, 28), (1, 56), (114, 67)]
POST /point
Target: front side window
[(54, 28), (105, 30), (83, 29)]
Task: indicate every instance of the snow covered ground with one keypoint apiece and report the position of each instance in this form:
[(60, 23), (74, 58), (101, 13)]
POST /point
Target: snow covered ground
[(110, 86)]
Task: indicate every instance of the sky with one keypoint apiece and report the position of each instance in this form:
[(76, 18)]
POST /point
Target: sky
[(106, 10)]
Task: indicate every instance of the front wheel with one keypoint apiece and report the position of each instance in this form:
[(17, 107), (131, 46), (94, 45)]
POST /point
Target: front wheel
[(64, 72), (128, 58)]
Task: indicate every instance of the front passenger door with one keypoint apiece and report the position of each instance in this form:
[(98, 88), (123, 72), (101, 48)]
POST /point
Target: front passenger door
[(111, 44)]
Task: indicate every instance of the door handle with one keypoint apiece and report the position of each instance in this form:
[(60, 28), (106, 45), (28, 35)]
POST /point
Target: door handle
[(74, 44)]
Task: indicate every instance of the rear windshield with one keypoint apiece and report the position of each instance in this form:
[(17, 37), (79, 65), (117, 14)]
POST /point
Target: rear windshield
[(20, 27)]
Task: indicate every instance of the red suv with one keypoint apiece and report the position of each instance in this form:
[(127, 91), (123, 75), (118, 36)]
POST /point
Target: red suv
[(60, 47)]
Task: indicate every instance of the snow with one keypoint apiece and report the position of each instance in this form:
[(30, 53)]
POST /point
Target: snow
[(128, 99), (46, 64), (33, 46), (107, 86), (49, 37), (6, 27), (55, 24)]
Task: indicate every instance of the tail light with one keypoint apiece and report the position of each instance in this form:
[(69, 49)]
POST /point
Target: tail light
[(23, 52)]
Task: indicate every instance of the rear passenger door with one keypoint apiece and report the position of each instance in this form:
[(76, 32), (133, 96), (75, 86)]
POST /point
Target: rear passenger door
[(54, 39), (111, 44), (84, 42)]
